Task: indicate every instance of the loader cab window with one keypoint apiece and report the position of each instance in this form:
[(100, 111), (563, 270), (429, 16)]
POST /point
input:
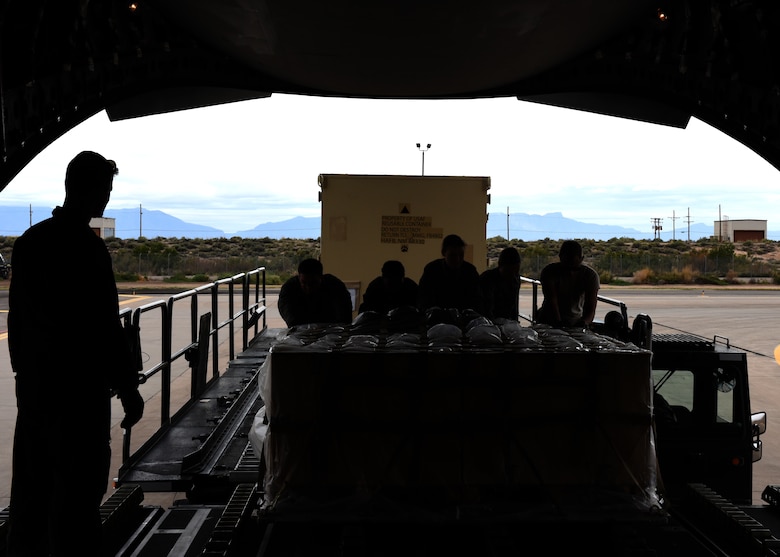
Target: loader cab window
[(725, 380), (673, 391), (680, 400)]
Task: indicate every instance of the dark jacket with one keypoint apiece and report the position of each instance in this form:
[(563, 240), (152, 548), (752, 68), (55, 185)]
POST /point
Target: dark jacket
[(381, 297), (500, 294), (332, 303), (446, 288), (66, 252)]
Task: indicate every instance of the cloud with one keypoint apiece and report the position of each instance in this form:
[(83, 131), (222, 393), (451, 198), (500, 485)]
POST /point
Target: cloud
[(238, 165)]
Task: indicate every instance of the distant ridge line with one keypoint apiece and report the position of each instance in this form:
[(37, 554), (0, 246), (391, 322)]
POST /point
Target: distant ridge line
[(522, 226)]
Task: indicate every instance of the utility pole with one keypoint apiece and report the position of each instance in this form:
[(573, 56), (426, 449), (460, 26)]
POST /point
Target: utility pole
[(688, 221), (140, 222), (507, 223), (673, 227), (656, 227), (30, 214)]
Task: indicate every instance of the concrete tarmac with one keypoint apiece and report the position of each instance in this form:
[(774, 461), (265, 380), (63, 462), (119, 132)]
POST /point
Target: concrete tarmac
[(747, 317)]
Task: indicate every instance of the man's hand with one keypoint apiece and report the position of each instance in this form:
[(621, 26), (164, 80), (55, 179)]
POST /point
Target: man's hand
[(133, 405)]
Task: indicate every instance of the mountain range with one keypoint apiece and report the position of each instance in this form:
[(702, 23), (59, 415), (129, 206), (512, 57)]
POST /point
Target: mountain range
[(523, 226)]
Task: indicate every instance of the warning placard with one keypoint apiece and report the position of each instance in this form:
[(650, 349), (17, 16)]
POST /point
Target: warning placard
[(408, 229)]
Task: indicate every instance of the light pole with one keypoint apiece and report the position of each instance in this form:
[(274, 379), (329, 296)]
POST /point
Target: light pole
[(423, 149)]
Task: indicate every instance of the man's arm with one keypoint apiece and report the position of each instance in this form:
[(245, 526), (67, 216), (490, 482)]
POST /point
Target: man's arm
[(426, 295), (591, 299), (23, 312), (488, 296), (476, 300), (550, 294), (129, 396), (589, 307), (371, 297), (345, 304), (286, 304)]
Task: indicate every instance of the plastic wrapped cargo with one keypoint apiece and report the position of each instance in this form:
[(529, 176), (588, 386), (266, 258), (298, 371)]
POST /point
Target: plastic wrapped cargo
[(469, 426)]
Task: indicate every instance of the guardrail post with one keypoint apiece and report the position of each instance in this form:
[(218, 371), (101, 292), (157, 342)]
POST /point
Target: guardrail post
[(246, 283), (231, 313), (165, 380), (200, 357), (215, 330), (257, 287)]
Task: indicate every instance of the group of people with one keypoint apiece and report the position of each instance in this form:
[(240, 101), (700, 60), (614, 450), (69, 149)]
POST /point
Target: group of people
[(570, 289), (61, 516)]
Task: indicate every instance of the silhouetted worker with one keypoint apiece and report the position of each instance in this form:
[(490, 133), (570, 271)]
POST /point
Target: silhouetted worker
[(451, 281), (570, 289), (501, 286), (65, 374), (391, 290), (314, 297)]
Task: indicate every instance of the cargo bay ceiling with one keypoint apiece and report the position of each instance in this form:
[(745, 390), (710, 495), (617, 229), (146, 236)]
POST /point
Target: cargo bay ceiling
[(65, 60)]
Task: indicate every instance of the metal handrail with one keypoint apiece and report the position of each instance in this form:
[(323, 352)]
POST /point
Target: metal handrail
[(535, 284), (252, 311)]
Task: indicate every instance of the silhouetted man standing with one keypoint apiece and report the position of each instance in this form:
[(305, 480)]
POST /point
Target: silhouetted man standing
[(68, 357)]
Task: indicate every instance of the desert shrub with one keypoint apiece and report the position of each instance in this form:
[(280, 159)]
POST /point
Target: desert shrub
[(643, 276), (686, 276), (605, 277), (689, 274), (127, 277), (710, 279), (732, 277)]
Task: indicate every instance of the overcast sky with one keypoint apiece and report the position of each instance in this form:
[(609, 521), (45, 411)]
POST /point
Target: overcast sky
[(238, 165)]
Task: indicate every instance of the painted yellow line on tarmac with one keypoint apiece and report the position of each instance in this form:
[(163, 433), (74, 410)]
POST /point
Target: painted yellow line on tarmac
[(130, 298)]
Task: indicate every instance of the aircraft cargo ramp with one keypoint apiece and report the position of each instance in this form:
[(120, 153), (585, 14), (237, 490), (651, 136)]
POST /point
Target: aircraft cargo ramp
[(205, 451)]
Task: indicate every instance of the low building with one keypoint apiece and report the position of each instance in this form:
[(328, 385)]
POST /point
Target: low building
[(103, 226), (740, 230)]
